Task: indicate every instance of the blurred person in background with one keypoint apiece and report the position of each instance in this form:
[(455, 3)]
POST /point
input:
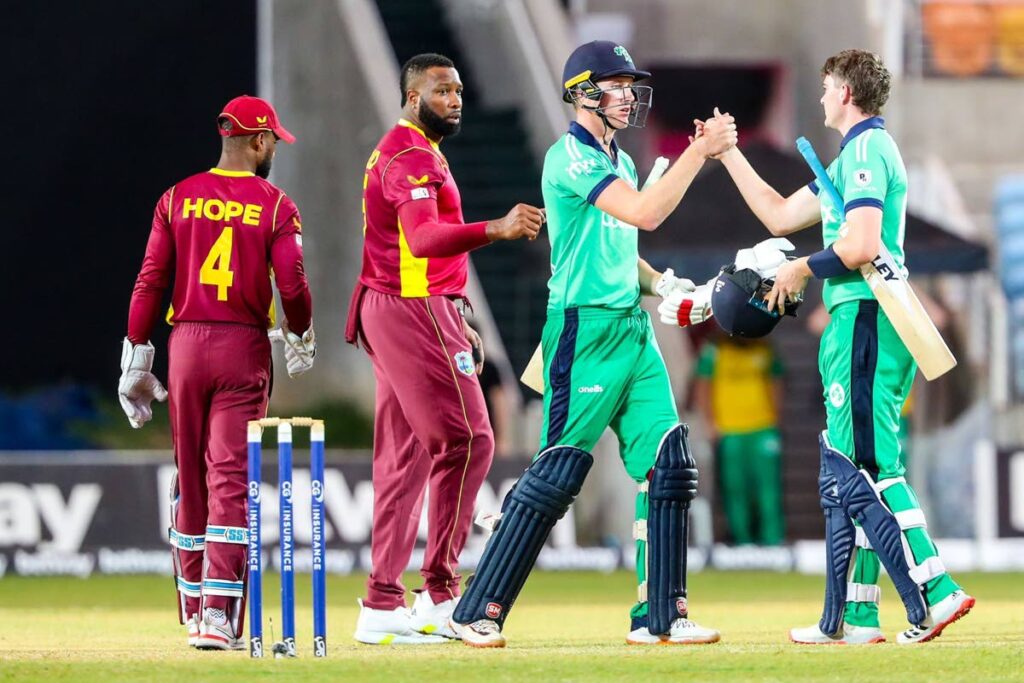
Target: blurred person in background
[(740, 394), (408, 312), (219, 234)]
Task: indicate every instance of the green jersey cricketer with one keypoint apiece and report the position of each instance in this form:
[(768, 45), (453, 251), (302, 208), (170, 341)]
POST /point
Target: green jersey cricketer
[(872, 515), (602, 366)]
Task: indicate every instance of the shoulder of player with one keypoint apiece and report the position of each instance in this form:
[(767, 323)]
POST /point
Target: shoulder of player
[(569, 155), (872, 143), (414, 152)]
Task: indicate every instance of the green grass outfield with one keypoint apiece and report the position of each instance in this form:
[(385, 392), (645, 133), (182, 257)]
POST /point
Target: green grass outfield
[(566, 626)]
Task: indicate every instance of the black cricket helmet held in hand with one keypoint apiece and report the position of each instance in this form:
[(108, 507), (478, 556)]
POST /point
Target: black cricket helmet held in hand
[(737, 298)]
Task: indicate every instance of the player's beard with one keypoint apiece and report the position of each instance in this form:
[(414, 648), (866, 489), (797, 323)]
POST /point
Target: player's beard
[(263, 168), (435, 123)]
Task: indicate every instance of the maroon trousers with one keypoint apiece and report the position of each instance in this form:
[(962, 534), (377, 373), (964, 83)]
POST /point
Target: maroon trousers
[(431, 426), (218, 380)]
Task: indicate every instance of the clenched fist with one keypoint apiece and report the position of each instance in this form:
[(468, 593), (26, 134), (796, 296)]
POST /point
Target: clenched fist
[(522, 221), (717, 135)]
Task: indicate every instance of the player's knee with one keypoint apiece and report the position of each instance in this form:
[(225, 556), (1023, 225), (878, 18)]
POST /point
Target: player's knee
[(674, 476)]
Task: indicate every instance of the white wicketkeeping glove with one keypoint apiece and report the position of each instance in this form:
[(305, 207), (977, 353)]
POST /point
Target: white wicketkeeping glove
[(687, 308), (138, 386), (764, 257), (669, 283), (298, 351)]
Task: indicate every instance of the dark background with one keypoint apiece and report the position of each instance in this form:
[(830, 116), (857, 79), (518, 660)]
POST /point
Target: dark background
[(105, 106)]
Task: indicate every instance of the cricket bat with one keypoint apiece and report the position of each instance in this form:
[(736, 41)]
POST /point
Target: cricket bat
[(533, 375), (894, 293)]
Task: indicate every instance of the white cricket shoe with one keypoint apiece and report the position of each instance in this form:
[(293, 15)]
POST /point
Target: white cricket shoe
[(389, 627), (850, 635), (481, 633), (940, 615), (682, 632), (431, 619), (215, 633), (192, 626)]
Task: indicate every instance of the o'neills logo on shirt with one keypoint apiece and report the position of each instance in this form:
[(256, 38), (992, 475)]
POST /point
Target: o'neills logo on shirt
[(595, 389)]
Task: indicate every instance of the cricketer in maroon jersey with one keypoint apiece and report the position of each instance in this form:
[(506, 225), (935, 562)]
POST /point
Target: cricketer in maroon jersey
[(217, 234), (431, 421)]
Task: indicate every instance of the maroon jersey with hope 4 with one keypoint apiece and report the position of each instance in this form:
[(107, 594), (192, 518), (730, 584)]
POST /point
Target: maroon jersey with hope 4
[(219, 233)]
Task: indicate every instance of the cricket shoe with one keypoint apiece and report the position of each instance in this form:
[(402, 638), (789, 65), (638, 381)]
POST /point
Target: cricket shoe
[(480, 633), (682, 632), (390, 627), (940, 615), (849, 635), (431, 619), (215, 633), (192, 626)]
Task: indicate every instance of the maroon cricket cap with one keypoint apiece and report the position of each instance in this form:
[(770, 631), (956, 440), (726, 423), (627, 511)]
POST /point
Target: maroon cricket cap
[(250, 115)]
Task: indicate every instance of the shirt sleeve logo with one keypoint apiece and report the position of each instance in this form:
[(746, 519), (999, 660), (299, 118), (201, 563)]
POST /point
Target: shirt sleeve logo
[(420, 181), (581, 167), (420, 193), (862, 177)]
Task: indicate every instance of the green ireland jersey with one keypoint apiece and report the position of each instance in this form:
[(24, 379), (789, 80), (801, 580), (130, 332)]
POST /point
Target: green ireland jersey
[(869, 171), (593, 255)]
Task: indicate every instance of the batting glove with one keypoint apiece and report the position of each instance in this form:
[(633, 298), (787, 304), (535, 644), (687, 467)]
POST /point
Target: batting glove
[(686, 308), (298, 351), (669, 283), (765, 257), (138, 386)]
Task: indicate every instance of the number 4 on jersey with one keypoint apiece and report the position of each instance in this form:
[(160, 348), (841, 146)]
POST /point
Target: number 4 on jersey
[(216, 268)]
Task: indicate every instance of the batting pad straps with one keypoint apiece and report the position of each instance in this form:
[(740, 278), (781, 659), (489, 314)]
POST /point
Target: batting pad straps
[(538, 500), (929, 569), (186, 541), (188, 588), (673, 484), (227, 534), (863, 592), (225, 587), (861, 540)]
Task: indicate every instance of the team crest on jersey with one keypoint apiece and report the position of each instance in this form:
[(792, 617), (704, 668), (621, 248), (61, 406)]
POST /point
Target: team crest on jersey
[(862, 177), (836, 395), (464, 363)]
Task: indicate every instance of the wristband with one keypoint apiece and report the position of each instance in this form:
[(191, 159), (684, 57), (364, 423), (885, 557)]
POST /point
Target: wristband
[(826, 263)]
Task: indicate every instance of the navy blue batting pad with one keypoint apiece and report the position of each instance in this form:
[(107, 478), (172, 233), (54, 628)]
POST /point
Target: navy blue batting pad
[(861, 502), (673, 485), (540, 498), (840, 537)]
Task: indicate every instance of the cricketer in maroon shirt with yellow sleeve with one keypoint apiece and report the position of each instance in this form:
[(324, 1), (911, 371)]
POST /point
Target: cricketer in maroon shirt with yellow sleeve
[(217, 235), (431, 422)]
